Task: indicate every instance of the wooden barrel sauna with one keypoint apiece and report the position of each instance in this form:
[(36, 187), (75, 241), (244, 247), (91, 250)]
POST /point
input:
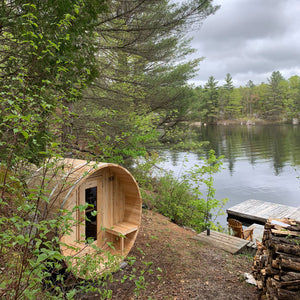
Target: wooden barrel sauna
[(117, 207)]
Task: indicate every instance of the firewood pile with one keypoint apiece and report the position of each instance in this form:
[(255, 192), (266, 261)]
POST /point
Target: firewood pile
[(277, 261)]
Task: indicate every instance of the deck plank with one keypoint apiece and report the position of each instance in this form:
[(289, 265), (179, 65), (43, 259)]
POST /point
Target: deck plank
[(222, 241), (257, 210), (296, 214)]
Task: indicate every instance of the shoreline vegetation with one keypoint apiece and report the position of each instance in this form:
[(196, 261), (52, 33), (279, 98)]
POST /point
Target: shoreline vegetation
[(245, 121), (105, 81), (274, 101)]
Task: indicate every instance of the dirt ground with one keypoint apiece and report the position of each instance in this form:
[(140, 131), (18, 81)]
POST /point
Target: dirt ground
[(182, 268)]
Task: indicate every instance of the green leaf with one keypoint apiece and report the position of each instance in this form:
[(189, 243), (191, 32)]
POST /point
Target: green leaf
[(25, 134), (41, 257)]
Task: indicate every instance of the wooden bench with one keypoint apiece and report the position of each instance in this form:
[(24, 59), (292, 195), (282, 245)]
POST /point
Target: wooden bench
[(121, 229)]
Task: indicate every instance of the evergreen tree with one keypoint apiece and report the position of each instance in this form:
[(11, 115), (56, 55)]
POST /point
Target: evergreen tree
[(249, 100), (278, 100), (143, 82), (292, 103), (210, 100), (228, 85), (234, 107), (275, 97)]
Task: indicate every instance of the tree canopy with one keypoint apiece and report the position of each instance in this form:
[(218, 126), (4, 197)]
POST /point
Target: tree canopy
[(118, 65), (142, 84), (47, 58), (277, 100)]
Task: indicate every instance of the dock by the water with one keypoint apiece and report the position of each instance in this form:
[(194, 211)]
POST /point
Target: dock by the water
[(254, 212), (257, 211)]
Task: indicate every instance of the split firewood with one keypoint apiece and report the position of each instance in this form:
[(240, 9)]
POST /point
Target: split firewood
[(286, 294), (276, 265), (290, 249), (290, 276), (289, 257), (290, 265), (285, 232)]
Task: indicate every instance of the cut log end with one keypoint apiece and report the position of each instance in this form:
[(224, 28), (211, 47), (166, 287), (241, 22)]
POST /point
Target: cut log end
[(276, 265)]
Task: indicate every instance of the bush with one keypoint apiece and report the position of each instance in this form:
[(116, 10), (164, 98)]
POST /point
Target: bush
[(183, 202), (174, 199)]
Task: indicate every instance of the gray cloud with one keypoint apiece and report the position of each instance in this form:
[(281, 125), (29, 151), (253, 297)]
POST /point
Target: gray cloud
[(249, 39)]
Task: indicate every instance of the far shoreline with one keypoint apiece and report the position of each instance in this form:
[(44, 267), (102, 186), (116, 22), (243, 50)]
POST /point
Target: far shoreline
[(243, 122)]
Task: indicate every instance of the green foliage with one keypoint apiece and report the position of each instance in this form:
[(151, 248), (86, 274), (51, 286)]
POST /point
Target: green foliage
[(143, 170), (183, 200), (292, 102), (33, 265), (182, 137), (142, 85), (51, 53), (204, 175), (119, 135), (210, 100), (41, 69), (47, 59), (174, 199), (276, 101)]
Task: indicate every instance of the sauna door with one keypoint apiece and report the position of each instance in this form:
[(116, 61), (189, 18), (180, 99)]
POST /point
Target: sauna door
[(90, 192)]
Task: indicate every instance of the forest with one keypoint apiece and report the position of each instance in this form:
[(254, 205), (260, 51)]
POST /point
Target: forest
[(111, 88), (95, 79), (102, 80), (278, 100), (89, 79)]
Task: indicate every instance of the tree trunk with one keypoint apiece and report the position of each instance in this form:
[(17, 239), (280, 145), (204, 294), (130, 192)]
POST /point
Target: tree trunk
[(67, 129)]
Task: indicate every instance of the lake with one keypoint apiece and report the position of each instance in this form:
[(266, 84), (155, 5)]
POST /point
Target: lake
[(260, 162)]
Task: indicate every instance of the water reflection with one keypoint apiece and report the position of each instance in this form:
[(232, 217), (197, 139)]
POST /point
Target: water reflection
[(261, 162), (277, 143)]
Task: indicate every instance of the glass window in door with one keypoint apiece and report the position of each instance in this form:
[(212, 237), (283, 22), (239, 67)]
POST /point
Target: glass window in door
[(91, 213)]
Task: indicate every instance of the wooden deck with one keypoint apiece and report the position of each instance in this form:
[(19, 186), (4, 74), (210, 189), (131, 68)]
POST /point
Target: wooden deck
[(224, 241), (257, 211), (250, 211)]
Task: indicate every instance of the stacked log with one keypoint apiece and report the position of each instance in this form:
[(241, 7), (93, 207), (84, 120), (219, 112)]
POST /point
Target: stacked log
[(277, 260)]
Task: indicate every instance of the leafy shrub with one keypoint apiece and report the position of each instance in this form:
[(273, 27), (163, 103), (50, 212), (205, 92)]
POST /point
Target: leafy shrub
[(174, 199), (182, 200)]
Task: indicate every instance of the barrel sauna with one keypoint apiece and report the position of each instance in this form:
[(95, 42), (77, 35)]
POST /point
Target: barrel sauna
[(112, 220)]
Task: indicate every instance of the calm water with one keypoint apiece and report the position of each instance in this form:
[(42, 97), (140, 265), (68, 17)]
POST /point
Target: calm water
[(261, 162)]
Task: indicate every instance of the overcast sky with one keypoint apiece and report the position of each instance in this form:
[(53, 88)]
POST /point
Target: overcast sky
[(249, 39)]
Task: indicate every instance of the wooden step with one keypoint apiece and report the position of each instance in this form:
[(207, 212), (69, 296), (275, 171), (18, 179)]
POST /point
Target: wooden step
[(223, 241)]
